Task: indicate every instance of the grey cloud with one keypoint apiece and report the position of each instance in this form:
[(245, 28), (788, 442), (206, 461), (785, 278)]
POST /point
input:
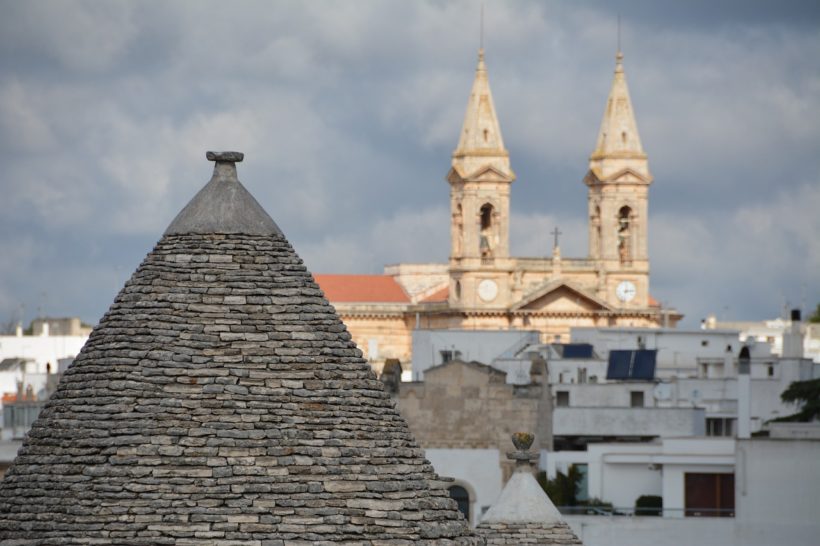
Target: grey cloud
[(348, 113)]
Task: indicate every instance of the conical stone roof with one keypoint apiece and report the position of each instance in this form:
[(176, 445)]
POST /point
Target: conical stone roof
[(523, 513), (221, 401)]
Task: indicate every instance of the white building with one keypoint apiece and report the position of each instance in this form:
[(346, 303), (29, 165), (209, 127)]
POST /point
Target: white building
[(30, 366), (773, 331)]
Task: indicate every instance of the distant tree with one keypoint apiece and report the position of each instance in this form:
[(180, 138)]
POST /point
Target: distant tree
[(563, 489), (805, 394), (816, 316)]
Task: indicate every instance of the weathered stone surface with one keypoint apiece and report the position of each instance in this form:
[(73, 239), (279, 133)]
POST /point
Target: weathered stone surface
[(524, 514), (240, 420)]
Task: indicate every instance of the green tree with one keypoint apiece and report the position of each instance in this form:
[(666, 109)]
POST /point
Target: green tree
[(805, 394), (562, 490), (816, 316)]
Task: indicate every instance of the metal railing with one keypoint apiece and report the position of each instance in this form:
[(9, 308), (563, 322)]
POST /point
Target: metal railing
[(646, 511), (19, 416)]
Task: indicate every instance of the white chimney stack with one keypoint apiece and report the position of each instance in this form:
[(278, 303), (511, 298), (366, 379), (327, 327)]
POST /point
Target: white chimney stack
[(793, 337), (744, 425)]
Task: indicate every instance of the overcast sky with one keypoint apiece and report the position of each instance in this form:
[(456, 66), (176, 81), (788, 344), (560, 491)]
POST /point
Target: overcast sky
[(348, 113)]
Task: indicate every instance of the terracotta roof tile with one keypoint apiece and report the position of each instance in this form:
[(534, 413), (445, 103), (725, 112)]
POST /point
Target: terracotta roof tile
[(362, 288), (438, 296)]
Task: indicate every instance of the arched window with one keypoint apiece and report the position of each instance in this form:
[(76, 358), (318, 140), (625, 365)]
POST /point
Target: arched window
[(486, 216), (486, 239), (462, 498), (458, 290), (624, 234)]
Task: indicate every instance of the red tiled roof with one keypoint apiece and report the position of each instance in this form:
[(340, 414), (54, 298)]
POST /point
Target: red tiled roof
[(653, 302), (438, 296), (362, 288)]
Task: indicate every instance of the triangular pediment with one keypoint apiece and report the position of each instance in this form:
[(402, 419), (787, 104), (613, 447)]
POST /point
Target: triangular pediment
[(487, 173), (623, 176), (560, 296)]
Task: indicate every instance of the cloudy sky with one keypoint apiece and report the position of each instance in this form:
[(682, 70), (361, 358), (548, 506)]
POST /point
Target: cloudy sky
[(348, 113)]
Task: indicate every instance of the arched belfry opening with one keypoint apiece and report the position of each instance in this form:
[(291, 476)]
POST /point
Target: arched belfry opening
[(487, 237), (625, 234)]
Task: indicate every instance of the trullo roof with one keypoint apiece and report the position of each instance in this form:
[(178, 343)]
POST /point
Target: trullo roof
[(221, 401), (523, 513)]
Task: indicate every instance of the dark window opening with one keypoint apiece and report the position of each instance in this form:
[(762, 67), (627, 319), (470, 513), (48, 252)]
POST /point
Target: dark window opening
[(462, 498), (636, 399), (624, 234), (562, 399), (709, 495), (486, 216)]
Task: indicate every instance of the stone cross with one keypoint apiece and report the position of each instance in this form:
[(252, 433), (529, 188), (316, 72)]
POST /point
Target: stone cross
[(556, 232)]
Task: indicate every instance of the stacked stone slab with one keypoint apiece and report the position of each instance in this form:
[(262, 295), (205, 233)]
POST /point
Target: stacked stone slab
[(221, 401), (524, 514)]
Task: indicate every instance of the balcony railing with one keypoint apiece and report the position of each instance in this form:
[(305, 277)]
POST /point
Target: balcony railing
[(19, 416)]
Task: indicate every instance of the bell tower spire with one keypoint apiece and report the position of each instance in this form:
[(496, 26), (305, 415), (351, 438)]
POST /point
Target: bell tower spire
[(618, 145), (480, 143), (480, 177), (618, 181)]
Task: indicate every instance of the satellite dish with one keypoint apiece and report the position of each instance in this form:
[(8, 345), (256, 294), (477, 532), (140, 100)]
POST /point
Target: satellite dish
[(662, 391)]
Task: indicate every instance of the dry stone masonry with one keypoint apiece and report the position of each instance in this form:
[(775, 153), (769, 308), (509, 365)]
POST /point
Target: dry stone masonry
[(524, 514), (221, 401)]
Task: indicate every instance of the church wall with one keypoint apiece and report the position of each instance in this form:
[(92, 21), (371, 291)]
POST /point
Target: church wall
[(380, 337)]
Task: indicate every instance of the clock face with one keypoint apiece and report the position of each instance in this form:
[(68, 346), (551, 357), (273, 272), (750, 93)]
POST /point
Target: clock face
[(487, 290), (626, 291)]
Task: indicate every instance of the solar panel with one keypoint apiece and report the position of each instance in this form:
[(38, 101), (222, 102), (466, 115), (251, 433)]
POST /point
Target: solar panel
[(577, 350), (629, 364)]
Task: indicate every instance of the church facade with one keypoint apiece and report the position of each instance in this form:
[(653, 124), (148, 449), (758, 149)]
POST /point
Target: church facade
[(482, 286)]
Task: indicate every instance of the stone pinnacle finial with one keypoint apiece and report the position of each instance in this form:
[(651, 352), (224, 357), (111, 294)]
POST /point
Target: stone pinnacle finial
[(228, 157), (522, 442), (619, 61)]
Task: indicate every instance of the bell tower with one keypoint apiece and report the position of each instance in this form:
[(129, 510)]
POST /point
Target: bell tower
[(480, 179), (618, 180)]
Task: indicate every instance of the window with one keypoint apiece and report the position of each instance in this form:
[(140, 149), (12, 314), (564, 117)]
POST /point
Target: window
[(720, 426), (624, 234), (704, 343), (582, 375), (446, 356), (770, 369), (486, 216), (562, 399), (462, 498), (709, 495), (486, 236), (458, 290), (636, 399)]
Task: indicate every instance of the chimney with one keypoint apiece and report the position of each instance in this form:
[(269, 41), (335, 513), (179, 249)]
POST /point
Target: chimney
[(793, 337), (44, 331), (18, 331), (744, 394)]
